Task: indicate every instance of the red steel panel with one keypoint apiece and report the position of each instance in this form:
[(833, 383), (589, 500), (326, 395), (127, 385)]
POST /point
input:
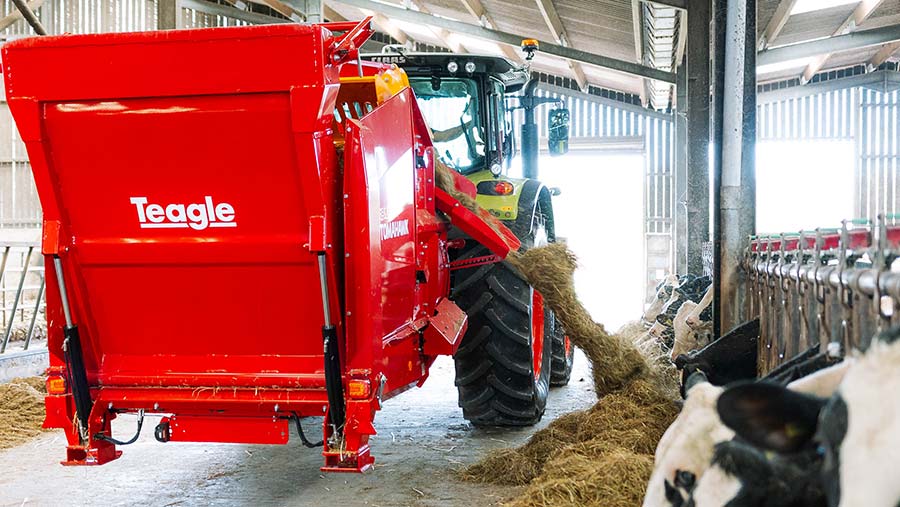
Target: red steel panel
[(381, 241), (240, 430)]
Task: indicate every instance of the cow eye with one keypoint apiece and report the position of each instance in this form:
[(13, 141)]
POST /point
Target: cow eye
[(685, 479)]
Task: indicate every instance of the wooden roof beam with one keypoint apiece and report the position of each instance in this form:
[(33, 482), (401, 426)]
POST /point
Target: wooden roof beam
[(776, 24), (886, 51), (860, 14), (442, 34), (478, 11), (558, 31)]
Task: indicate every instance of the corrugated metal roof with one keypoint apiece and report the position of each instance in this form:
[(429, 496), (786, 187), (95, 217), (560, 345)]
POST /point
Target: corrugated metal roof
[(821, 24), (607, 27), (602, 27)]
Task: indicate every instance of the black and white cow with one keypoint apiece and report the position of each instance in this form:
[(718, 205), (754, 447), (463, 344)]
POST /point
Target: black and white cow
[(687, 448), (741, 475), (691, 331), (844, 448), (664, 292)]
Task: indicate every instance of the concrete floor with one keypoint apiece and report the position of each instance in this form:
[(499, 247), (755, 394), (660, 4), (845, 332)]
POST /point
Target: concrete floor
[(421, 439)]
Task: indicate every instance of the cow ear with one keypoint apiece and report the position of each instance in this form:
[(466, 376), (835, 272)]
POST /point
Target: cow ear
[(769, 415)]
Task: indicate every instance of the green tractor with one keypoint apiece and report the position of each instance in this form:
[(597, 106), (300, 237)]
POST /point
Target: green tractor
[(513, 350)]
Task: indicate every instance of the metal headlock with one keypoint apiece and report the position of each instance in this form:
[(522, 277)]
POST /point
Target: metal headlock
[(828, 293)]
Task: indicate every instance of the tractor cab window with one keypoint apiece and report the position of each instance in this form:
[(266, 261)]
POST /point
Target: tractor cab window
[(452, 110)]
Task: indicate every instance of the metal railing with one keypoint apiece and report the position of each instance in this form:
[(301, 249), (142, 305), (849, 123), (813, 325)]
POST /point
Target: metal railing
[(22, 303), (819, 294)]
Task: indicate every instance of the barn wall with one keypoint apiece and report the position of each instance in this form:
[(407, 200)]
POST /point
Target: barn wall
[(868, 117), (19, 205)]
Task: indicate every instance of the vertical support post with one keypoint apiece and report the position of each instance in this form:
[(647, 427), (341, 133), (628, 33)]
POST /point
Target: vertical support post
[(529, 131), (697, 132), (12, 318), (681, 171), (3, 260), (37, 308), (312, 9), (734, 157), (168, 15)]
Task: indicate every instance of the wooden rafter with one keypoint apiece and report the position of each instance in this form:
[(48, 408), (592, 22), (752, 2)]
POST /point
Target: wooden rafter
[(860, 14), (776, 24), (478, 11), (558, 31)]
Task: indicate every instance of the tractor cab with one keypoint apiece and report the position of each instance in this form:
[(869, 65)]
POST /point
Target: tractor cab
[(463, 98), (468, 101)]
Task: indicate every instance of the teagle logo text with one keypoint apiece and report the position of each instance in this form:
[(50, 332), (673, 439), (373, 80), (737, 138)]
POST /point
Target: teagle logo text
[(197, 216)]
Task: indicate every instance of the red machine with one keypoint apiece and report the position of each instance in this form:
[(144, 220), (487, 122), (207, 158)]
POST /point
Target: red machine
[(239, 237)]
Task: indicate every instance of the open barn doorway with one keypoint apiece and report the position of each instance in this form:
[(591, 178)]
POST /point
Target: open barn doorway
[(804, 184), (600, 214)]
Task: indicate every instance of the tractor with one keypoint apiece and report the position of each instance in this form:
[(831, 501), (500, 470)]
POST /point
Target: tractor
[(514, 349)]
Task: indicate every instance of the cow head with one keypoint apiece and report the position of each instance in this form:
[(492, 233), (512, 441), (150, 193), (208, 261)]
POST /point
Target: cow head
[(857, 429)]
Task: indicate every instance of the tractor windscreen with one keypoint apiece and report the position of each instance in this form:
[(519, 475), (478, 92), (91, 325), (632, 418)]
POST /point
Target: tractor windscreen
[(452, 109)]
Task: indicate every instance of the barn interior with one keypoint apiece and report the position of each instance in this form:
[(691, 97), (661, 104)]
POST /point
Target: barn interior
[(587, 244)]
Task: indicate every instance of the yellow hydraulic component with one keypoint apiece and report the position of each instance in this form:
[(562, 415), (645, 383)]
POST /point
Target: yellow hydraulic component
[(389, 82)]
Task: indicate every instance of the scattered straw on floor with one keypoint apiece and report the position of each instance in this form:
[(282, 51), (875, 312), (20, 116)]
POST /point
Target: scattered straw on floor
[(21, 410), (612, 477), (602, 456), (631, 420)]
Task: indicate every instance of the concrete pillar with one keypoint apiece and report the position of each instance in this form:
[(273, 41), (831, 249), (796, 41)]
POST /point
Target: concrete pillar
[(312, 9), (734, 163), (681, 171), (168, 15), (698, 128)]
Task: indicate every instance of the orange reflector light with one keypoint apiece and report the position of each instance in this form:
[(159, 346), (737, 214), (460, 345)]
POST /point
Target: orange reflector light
[(56, 385), (503, 188), (358, 389), (530, 43)]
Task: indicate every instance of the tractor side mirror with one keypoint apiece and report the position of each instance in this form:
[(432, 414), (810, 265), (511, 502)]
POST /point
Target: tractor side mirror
[(558, 128)]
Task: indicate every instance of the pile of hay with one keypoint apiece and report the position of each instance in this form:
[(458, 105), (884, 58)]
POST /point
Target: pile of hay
[(602, 456), (21, 410), (628, 421)]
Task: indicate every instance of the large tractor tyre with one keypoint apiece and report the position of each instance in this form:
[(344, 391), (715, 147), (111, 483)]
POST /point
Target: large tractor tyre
[(562, 357), (503, 365)]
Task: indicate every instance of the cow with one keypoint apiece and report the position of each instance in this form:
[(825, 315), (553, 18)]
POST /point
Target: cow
[(686, 450), (741, 475), (691, 333), (664, 291), (857, 427), (699, 314), (690, 290)]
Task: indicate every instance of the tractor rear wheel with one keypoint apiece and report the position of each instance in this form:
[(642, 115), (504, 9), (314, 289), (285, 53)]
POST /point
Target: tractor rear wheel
[(503, 365), (563, 355)]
